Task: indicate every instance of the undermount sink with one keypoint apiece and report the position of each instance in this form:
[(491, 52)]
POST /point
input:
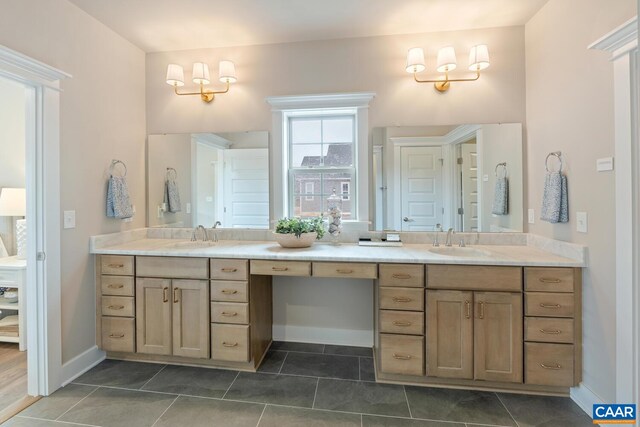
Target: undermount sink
[(459, 251), (192, 245)]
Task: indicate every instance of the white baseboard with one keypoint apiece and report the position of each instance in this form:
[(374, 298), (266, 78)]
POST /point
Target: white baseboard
[(585, 398), (308, 334), (81, 364)]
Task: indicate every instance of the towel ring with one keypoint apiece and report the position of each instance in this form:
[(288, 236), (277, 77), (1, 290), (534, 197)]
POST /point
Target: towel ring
[(557, 154), (116, 162), (504, 165), (175, 173)]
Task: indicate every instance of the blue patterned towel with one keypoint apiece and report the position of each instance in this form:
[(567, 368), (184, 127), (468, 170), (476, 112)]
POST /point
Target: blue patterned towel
[(118, 202), (555, 199)]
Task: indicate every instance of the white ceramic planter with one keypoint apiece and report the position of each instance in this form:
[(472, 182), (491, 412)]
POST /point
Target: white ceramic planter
[(291, 241)]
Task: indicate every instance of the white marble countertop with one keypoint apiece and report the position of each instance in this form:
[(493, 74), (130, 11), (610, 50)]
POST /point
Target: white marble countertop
[(520, 255)]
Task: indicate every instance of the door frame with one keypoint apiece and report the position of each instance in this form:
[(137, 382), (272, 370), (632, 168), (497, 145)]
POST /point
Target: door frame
[(42, 148)]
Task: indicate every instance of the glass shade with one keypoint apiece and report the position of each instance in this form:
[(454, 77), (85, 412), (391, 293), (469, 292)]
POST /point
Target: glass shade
[(415, 60), (175, 75), (200, 74), (227, 72), (13, 202), (479, 57), (446, 59)]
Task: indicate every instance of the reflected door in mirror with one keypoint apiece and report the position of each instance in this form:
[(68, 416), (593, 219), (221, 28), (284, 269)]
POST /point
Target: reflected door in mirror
[(421, 188)]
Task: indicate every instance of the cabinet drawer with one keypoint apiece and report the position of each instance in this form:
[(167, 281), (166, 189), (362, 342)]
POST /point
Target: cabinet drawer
[(230, 312), (230, 342), (548, 279), (356, 270), (406, 275), (229, 269), (118, 334), (548, 329), (172, 267), (402, 322), (402, 298), (549, 364), (118, 306), (401, 354), (117, 285), (116, 264), (9, 279), (222, 290), (548, 304), (281, 268), (474, 277)]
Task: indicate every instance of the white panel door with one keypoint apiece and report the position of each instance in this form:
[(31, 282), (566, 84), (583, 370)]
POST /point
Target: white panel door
[(246, 188), (421, 188), (470, 200)]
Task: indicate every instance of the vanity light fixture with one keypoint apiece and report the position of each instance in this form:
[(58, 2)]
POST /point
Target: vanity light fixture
[(446, 62), (200, 76)]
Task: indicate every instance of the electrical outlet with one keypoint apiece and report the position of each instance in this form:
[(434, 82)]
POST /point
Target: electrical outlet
[(581, 222), (532, 216), (188, 208), (160, 211), (69, 219)]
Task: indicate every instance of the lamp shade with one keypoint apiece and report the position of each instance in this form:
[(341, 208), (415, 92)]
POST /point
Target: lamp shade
[(415, 60), (227, 72), (479, 57), (446, 59), (200, 74), (175, 75), (13, 202)]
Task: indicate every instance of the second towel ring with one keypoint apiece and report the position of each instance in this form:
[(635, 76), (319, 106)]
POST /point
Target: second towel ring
[(557, 154), (504, 165)]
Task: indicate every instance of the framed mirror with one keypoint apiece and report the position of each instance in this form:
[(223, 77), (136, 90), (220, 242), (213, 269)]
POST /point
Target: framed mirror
[(465, 177), (212, 179)]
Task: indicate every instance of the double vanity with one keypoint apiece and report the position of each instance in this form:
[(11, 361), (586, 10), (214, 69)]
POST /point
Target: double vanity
[(499, 317)]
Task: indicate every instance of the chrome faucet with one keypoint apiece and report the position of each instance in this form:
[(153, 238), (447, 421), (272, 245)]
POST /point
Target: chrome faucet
[(450, 234), (194, 235), (217, 224), (436, 241)]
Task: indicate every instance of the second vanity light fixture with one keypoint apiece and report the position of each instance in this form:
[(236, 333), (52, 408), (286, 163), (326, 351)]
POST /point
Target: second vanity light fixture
[(200, 76), (478, 61)]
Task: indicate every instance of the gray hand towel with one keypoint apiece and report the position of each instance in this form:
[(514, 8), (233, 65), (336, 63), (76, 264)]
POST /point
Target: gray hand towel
[(172, 196), (501, 197), (118, 202), (555, 200)]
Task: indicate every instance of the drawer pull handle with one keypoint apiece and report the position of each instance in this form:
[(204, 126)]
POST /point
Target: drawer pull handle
[(117, 336), (116, 307), (115, 286), (401, 299), (344, 271), (279, 268), (555, 366), (549, 280), (229, 270), (175, 295), (545, 305), (401, 276), (229, 344), (551, 331), (402, 323), (401, 356), (481, 315), (229, 314), (116, 265), (165, 294), (229, 291)]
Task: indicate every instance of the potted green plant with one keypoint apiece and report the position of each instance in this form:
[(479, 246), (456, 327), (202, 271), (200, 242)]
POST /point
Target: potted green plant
[(298, 232)]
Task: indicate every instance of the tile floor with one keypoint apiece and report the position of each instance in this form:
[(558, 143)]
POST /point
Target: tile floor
[(298, 385)]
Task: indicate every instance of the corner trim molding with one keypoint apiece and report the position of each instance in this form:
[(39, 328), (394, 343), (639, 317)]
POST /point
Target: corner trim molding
[(16, 65), (328, 100)]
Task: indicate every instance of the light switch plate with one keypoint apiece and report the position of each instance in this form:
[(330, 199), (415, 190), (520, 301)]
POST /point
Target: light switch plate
[(581, 222), (485, 178), (532, 216), (604, 164), (69, 219)]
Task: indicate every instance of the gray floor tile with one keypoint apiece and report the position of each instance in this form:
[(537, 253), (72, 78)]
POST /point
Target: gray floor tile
[(346, 350), (363, 397), (203, 382), (199, 412), (458, 405), (297, 346), (118, 373), (31, 422), (51, 407), (321, 365), (272, 362), (545, 411), (110, 407), (280, 416), (367, 371), (372, 421), (276, 389)]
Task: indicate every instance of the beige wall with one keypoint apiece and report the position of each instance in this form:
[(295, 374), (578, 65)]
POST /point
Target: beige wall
[(570, 108), (102, 117)]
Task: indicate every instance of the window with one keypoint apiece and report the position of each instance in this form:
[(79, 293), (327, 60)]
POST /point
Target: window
[(321, 159)]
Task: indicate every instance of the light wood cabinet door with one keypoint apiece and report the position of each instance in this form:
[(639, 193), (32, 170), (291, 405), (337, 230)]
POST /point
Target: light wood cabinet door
[(190, 300), (498, 336), (153, 316), (450, 334)]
